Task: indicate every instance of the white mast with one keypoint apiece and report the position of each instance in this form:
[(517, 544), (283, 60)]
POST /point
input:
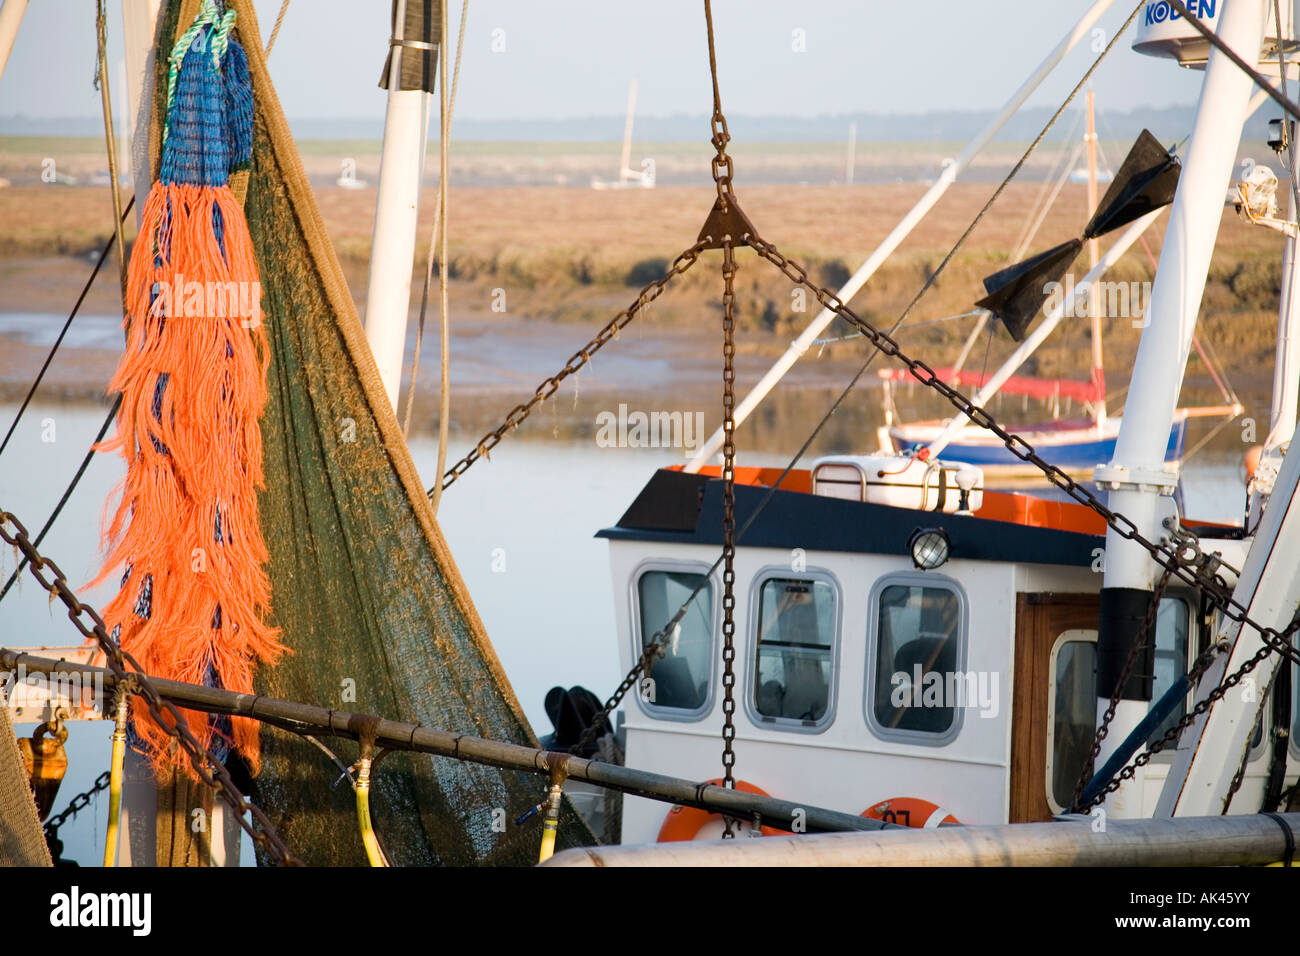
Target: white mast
[(1082, 293), (625, 170), (909, 222), (11, 17), (392, 246), (1136, 478), (1053, 318), (1094, 253)]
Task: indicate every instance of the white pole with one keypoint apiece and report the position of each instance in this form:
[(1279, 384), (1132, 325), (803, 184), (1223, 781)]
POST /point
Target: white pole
[(139, 31), (1138, 483), (1205, 841), (1211, 750), (625, 170), (1081, 294), (1286, 363), (1018, 357), (894, 239), (392, 246), (11, 16)]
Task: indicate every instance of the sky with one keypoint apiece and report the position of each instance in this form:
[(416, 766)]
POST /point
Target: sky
[(575, 58)]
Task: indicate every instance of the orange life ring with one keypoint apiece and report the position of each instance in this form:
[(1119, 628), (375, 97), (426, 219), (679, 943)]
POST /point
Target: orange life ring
[(685, 823), (910, 812)]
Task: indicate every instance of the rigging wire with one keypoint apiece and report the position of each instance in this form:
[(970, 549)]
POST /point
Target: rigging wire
[(1260, 80), (275, 30), (659, 642), (85, 290), (444, 310), (433, 242), (58, 508)]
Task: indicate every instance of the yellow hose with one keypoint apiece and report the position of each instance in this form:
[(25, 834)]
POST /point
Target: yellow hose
[(373, 853), (115, 775), (551, 824)]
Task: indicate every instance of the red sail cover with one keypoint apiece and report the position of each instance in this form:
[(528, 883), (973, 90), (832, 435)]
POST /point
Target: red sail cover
[(185, 535), (1016, 385)]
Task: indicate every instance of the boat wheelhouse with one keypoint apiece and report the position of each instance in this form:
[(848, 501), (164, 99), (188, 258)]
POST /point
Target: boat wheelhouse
[(863, 676)]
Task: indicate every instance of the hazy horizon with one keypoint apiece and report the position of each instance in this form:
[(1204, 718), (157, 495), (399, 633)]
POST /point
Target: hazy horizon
[(573, 60)]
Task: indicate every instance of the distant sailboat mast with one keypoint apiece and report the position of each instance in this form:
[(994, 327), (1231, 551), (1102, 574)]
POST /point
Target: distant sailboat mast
[(1094, 256), (627, 176), (625, 170)]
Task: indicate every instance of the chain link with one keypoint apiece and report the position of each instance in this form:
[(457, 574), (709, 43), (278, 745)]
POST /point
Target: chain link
[(1143, 639), (201, 759), (1173, 733), (76, 805), (575, 363), (1180, 555), (728, 519)]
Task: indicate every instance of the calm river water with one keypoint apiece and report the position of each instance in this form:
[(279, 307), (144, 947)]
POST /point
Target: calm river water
[(549, 612)]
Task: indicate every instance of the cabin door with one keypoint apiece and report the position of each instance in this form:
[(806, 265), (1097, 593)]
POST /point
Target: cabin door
[(1056, 638)]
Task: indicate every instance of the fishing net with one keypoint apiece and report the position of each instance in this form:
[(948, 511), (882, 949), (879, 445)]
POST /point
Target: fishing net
[(366, 594), (21, 841)]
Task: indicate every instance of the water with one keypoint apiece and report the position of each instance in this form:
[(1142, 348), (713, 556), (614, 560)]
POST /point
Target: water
[(520, 526)]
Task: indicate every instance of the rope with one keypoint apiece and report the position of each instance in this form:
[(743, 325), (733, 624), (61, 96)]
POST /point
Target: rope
[(49, 523), (110, 142), (444, 311), (428, 269), (275, 30), (207, 14), (85, 290)]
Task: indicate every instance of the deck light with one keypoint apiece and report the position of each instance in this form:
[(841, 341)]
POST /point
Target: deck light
[(930, 548)]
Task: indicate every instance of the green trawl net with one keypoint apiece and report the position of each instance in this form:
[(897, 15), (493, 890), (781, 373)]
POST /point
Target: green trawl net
[(371, 603)]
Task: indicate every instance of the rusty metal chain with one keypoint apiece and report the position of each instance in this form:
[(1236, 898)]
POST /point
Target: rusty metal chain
[(1179, 555), (1173, 733), (76, 805), (728, 520), (1145, 635), (575, 363), (644, 664), (201, 759), (722, 167)]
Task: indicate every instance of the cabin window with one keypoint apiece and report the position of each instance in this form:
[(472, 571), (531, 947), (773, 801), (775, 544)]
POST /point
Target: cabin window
[(1171, 658), (793, 667), (918, 687), (1073, 718), (680, 682)]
